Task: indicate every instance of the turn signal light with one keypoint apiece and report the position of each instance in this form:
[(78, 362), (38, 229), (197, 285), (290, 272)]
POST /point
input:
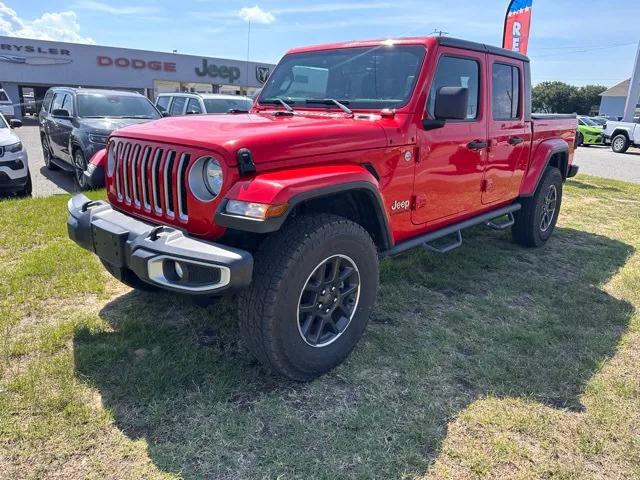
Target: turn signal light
[(259, 211)]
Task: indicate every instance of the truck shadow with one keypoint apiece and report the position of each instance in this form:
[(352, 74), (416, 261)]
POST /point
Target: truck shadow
[(491, 318)]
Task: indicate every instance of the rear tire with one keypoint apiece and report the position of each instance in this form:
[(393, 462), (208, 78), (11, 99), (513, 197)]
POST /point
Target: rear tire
[(314, 286), (579, 140), (620, 143), (536, 220), (129, 278)]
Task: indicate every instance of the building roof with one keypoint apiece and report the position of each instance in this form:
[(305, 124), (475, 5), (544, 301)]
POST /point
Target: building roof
[(619, 90)]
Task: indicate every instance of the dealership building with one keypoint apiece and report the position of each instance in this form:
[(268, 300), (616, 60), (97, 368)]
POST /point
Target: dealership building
[(29, 67)]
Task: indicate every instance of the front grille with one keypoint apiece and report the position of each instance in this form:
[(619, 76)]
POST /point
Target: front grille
[(152, 178)]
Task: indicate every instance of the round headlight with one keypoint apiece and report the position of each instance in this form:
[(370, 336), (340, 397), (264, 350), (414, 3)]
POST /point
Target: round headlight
[(111, 159), (212, 173)]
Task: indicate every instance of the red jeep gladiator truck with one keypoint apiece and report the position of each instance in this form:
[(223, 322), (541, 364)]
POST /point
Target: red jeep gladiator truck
[(351, 153)]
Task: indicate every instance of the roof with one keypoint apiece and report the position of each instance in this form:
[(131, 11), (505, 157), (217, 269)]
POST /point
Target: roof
[(202, 95), (619, 90), (426, 41), (102, 91)]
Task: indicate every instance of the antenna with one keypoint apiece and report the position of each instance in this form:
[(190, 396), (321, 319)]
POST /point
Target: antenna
[(439, 33)]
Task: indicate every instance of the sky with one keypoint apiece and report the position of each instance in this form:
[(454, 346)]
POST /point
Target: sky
[(573, 41)]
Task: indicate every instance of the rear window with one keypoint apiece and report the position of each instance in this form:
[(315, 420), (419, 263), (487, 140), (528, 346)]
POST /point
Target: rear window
[(177, 107), (505, 92), (163, 103)]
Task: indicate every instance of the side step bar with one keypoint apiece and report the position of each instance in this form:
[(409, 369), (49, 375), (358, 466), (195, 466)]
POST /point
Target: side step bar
[(455, 229), (62, 165)]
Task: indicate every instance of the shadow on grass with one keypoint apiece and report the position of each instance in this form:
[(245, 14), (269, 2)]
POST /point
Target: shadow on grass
[(491, 318)]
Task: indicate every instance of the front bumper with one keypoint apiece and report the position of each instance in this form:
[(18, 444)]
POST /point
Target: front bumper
[(14, 171), (159, 255)]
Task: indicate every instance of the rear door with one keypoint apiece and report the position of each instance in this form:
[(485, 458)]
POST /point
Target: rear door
[(450, 164), (509, 134)]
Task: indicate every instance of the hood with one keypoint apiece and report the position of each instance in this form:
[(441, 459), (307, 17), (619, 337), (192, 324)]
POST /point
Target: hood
[(269, 137), (590, 130), (8, 137), (108, 125)]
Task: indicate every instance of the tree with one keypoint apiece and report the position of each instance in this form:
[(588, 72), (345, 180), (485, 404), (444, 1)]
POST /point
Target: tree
[(560, 97)]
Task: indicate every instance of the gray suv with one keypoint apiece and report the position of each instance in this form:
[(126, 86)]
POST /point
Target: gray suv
[(75, 123)]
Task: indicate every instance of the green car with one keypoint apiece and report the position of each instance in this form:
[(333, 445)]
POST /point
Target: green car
[(589, 132)]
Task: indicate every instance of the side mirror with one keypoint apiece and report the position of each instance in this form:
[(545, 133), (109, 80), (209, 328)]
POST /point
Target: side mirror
[(15, 123), (61, 112), (452, 103)]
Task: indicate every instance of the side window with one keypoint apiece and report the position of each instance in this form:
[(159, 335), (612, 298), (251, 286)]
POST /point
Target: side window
[(163, 103), (193, 106), (457, 72), (57, 101), (177, 106), (46, 103), (67, 104), (505, 92)]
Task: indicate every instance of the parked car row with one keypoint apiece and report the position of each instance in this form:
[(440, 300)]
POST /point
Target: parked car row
[(75, 123)]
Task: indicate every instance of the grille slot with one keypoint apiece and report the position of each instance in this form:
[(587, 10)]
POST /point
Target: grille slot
[(168, 182), (143, 178), (181, 183), (155, 180), (152, 179)]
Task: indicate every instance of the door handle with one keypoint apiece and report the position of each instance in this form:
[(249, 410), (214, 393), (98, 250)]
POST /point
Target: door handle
[(477, 145), (515, 141)]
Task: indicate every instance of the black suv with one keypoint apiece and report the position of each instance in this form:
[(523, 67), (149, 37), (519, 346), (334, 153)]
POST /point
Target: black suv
[(75, 123)]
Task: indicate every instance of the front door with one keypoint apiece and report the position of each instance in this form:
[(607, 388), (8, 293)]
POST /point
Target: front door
[(449, 172), (509, 134)]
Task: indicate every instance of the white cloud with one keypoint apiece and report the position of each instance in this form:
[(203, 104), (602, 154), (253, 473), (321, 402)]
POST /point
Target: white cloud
[(256, 15), (110, 9), (60, 26)]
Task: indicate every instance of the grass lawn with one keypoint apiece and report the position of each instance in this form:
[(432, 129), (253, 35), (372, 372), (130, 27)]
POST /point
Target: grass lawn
[(494, 361)]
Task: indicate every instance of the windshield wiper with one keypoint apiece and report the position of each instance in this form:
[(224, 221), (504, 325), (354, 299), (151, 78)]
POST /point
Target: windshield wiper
[(280, 101), (331, 101)]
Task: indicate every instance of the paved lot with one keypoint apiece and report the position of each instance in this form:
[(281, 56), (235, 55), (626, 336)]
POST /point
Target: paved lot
[(602, 162), (598, 161), (45, 181)]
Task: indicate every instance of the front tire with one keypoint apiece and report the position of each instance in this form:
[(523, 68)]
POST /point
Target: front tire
[(314, 286), (46, 153), (80, 164), (28, 188), (620, 143), (536, 220)]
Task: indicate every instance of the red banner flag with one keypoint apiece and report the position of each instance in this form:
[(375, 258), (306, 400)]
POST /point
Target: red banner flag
[(516, 26)]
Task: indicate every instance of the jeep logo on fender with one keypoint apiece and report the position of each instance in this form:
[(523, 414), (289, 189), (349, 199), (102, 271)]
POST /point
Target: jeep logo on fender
[(222, 71), (400, 206)]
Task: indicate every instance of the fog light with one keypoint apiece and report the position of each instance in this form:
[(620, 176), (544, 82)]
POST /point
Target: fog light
[(179, 270)]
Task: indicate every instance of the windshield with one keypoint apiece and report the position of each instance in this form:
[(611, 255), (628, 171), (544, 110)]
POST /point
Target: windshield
[(98, 105), (370, 78), (588, 122), (223, 105)]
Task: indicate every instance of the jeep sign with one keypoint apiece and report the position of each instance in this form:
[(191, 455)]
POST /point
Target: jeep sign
[(214, 71)]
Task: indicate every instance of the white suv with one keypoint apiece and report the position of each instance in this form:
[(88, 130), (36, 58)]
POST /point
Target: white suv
[(622, 135), (197, 103), (14, 163), (6, 105)]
